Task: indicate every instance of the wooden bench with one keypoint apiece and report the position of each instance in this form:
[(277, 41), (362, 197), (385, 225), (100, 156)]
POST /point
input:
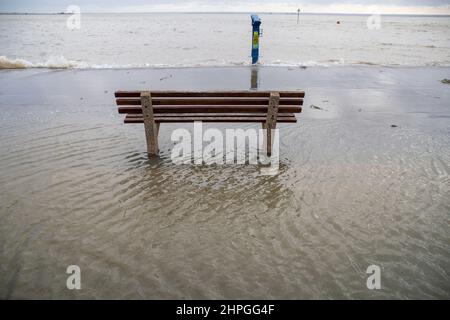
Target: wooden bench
[(155, 107)]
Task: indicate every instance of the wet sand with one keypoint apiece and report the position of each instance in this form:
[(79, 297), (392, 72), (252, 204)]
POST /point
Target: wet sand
[(364, 179)]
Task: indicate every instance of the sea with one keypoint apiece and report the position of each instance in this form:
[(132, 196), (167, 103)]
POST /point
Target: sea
[(189, 40)]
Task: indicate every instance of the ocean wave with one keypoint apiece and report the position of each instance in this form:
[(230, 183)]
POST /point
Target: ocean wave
[(61, 62), (52, 63)]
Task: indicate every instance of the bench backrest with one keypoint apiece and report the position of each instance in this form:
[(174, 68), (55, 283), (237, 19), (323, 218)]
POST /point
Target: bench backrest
[(223, 106)]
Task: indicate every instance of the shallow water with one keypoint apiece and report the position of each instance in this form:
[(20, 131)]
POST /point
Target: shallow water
[(76, 187)]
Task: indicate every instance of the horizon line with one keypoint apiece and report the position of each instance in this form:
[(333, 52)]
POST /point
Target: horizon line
[(228, 12)]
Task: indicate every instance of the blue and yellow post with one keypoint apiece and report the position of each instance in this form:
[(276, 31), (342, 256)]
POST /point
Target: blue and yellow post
[(256, 23)]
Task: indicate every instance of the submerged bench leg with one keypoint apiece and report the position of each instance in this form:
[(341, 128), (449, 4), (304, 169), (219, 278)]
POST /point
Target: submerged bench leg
[(266, 138), (151, 127), (271, 121)]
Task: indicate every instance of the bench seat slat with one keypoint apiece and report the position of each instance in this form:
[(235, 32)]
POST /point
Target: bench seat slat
[(208, 119), (210, 109), (160, 94), (210, 115), (209, 101)]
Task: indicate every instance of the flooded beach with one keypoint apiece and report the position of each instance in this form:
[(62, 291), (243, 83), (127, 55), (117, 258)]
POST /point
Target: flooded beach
[(363, 180)]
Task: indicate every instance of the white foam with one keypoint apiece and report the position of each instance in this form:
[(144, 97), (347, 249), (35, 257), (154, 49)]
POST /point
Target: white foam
[(56, 62), (6, 63), (60, 62)]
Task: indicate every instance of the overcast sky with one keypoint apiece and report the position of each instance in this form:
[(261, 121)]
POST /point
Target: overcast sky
[(349, 6)]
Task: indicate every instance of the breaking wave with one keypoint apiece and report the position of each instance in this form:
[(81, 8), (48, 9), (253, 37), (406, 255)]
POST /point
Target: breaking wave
[(63, 63), (60, 62), (51, 63)]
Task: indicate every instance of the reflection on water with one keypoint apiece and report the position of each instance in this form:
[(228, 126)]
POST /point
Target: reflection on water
[(254, 77), (79, 189)]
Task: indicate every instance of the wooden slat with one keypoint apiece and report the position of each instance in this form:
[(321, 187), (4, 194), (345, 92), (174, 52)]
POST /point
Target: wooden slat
[(161, 94), (209, 101), (209, 119), (210, 109), (210, 115)]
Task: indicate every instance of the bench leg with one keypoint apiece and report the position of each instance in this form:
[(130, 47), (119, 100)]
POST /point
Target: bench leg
[(151, 127), (267, 138), (271, 121)]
